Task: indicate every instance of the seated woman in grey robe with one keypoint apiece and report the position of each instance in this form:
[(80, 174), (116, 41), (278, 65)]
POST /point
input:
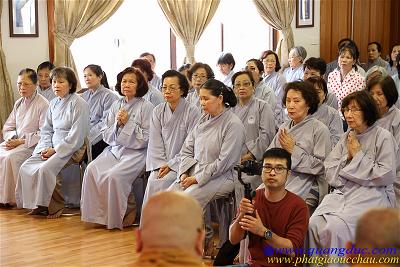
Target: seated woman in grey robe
[(170, 123), (259, 122), (212, 148), (361, 168), (108, 179), (326, 114), (100, 98), (61, 143), (307, 140), (383, 91), (21, 132)]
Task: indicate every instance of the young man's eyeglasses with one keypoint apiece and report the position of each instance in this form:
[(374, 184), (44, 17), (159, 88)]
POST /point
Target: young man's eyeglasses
[(277, 169)]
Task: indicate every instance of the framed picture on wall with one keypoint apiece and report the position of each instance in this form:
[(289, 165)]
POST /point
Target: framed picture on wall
[(23, 17), (304, 13)]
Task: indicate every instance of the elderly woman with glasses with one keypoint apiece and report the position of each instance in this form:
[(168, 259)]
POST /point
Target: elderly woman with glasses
[(198, 74), (361, 169), (21, 132), (170, 123), (258, 120)]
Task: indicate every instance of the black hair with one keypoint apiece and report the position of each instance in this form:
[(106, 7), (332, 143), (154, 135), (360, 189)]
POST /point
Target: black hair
[(66, 73), (378, 46), (198, 65), (315, 63), (184, 67), (144, 66), (320, 83), (30, 73), (279, 153), (226, 58), (259, 65), (398, 64), (99, 72), (366, 103), (388, 88), (344, 40), (183, 82), (218, 88), (308, 93), (391, 63), (145, 54), (142, 85), (246, 72), (45, 65)]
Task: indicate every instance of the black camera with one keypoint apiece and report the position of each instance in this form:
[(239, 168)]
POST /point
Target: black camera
[(250, 167)]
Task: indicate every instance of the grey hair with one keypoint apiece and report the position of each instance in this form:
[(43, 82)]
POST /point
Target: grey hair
[(300, 51), (380, 69)]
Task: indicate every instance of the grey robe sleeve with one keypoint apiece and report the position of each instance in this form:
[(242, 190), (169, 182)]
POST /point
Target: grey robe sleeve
[(97, 128), (313, 163), (373, 169), (336, 129), (193, 118), (231, 148), (31, 139), (110, 127), (335, 161), (266, 133), (187, 153), (78, 131), (9, 128), (156, 156), (135, 133), (46, 133)]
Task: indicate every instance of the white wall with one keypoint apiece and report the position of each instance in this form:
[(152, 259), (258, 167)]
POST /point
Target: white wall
[(309, 37), (24, 52)]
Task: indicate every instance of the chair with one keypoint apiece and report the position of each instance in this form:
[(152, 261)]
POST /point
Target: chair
[(80, 162)]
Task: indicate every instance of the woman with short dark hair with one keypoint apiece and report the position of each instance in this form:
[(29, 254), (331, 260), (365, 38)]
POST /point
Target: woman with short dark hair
[(345, 79), (61, 143), (198, 74), (326, 114), (384, 92), (276, 81), (361, 169), (307, 139), (170, 123), (108, 179)]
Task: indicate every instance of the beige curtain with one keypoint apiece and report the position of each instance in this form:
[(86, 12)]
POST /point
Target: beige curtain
[(279, 14), (188, 19), (74, 19), (6, 91)]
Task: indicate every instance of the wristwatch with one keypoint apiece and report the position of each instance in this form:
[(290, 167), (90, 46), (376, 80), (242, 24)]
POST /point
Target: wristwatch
[(267, 234)]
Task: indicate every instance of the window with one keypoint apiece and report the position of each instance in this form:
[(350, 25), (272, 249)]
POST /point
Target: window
[(129, 32)]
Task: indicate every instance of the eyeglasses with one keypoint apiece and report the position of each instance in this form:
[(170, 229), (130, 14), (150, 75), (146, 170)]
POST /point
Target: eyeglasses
[(244, 84), (24, 84), (201, 77), (268, 60), (169, 88), (352, 110), (277, 169)]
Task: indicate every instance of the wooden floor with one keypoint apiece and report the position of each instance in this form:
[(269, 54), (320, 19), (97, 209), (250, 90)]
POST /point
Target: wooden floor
[(36, 241)]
